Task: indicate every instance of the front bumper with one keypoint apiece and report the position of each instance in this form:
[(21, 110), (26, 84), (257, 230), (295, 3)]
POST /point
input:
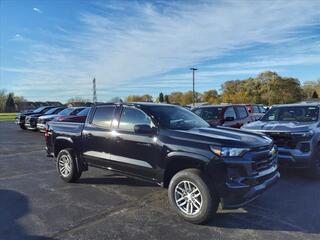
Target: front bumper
[(41, 127), (296, 158), (30, 126), (240, 193), (240, 180)]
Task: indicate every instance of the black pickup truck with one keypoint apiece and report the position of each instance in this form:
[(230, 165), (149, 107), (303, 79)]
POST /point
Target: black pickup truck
[(169, 146)]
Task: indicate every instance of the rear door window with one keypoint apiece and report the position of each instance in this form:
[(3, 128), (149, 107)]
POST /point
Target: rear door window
[(103, 116), (242, 112), (230, 113)]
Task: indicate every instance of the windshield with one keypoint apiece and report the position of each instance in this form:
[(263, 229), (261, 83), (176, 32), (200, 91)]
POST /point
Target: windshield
[(291, 114), (38, 110), (209, 113), (51, 111), (175, 117), (84, 112), (66, 112)]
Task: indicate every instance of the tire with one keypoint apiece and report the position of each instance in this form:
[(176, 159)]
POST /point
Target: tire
[(67, 165), (207, 202), (23, 127)]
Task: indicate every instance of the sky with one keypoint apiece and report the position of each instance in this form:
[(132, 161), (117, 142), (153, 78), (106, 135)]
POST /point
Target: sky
[(51, 50)]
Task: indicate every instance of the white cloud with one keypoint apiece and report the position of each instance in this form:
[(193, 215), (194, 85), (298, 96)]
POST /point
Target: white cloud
[(143, 40), (37, 10)]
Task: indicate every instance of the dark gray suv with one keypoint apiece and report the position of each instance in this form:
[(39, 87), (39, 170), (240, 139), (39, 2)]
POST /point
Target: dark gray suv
[(295, 129)]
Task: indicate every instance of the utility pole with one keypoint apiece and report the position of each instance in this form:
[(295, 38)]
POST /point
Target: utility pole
[(193, 92), (94, 91)]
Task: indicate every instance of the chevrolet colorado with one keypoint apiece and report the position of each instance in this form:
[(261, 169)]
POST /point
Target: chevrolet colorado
[(169, 146), (295, 129)]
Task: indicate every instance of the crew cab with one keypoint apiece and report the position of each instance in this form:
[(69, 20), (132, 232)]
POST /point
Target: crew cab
[(172, 147), (295, 129), (224, 115)]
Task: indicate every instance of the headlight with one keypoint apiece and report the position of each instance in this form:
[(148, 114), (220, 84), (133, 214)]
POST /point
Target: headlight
[(303, 134), (228, 151)]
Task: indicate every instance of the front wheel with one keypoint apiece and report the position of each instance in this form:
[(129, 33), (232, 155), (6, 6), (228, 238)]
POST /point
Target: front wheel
[(23, 127), (192, 196), (66, 165)]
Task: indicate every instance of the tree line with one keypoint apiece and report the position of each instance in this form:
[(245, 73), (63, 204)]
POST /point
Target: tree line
[(266, 88)]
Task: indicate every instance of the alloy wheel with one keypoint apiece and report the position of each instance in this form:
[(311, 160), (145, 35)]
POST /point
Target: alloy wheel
[(65, 165), (188, 197)]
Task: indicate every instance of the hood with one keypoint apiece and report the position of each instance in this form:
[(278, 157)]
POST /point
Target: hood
[(280, 126), (35, 115), (24, 114), (48, 116), (223, 136)]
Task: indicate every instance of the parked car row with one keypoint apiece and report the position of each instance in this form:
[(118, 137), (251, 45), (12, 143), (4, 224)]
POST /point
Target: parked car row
[(201, 156), (37, 119)]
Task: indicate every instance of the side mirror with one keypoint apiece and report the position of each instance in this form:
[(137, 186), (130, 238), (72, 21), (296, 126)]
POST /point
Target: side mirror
[(144, 129), (229, 119)]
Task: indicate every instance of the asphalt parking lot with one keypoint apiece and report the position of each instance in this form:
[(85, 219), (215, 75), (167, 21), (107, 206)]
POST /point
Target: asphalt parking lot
[(36, 204)]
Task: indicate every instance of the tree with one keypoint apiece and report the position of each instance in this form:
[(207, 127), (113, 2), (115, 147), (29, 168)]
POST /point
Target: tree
[(315, 94), (210, 96), (9, 106), (139, 98), (161, 98), (116, 100), (309, 87), (77, 99), (3, 98), (166, 99)]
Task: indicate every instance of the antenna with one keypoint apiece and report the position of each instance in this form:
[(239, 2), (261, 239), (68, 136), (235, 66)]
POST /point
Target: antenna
[(94, 91)]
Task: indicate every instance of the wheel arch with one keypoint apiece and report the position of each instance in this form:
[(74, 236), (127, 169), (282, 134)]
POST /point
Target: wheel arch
[(177, 161)]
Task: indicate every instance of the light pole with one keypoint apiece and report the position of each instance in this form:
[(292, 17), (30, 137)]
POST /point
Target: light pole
[(193, 92)]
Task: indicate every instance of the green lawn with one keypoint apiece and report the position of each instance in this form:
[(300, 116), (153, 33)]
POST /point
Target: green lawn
[(7, 116)]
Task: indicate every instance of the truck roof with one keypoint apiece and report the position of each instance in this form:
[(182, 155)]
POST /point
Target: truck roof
[(302, 104)]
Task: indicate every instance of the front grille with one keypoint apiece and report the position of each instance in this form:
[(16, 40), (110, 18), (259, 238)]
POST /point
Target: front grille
[(285, 139), (263, 158)]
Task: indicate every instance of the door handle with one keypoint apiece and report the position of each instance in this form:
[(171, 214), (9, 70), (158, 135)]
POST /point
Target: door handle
[(118, 139)]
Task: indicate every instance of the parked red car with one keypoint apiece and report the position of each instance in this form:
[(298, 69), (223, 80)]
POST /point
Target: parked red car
[(256, 111), (229, 115), (80, 117)]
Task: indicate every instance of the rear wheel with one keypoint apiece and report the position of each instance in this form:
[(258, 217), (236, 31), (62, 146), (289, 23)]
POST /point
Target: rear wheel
[(192, 196), (67, 167)]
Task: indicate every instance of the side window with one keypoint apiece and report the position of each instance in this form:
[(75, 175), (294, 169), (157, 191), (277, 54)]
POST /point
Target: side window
[(256, 109), (230, 113), (103, 116), (242, 112), (131, 117), (198, 112)]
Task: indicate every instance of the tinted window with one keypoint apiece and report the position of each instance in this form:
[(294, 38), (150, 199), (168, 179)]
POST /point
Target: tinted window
[(207, 113), (131, 117), (295, 113), (103, 116), (242, 111), (66, 112), (51, 111), (84, 112), (39, 110), (76, 111), (255, 109), (230, 113), (262, 109), (174, 117)]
